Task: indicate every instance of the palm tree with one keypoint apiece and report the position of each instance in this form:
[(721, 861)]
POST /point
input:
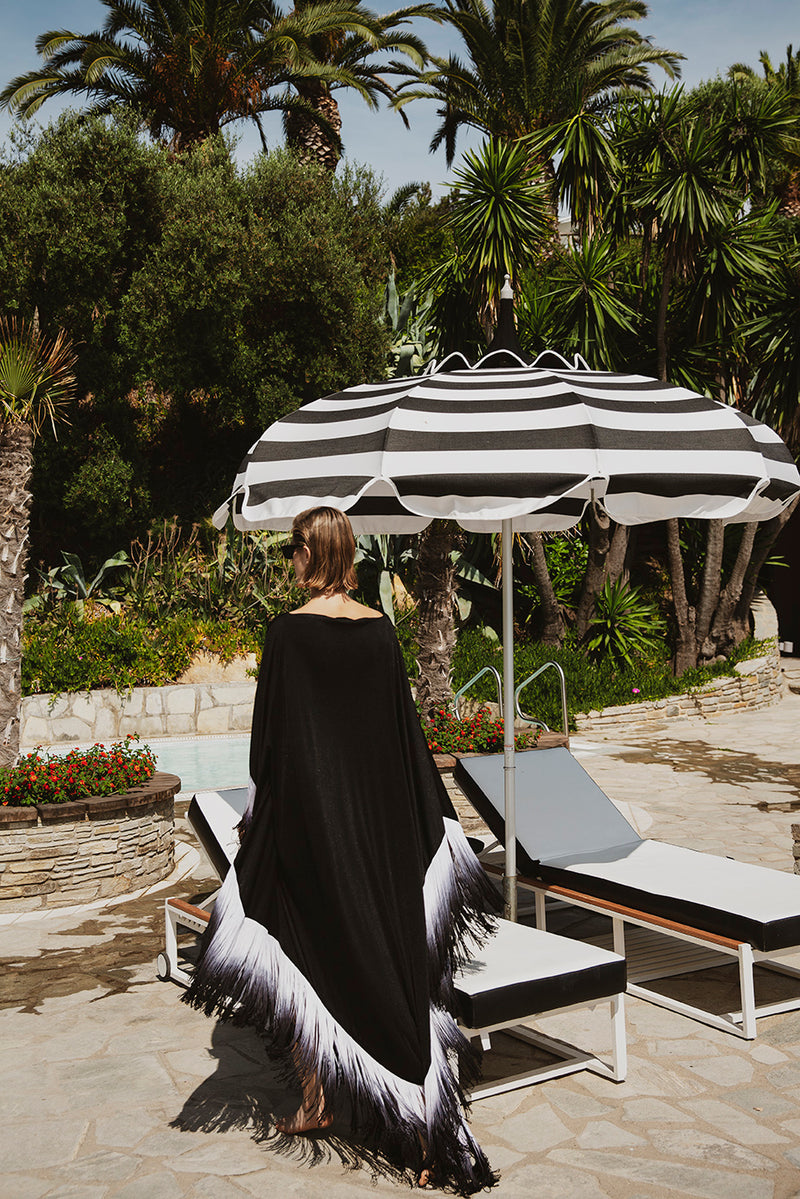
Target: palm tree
[(773, 344), (784, 81), (313, 128), (188, 67), (36, 381), (786, 75), (499, 221), (588, 169), (533, 63)]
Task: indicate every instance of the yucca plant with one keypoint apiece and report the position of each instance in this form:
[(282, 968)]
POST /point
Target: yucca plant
[(626, 625), (36, 384), (499, 220)]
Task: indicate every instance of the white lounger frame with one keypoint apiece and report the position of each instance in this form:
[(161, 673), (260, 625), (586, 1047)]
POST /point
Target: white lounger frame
[(179, 914), (569, 822), (658, 964), (570, 1058)]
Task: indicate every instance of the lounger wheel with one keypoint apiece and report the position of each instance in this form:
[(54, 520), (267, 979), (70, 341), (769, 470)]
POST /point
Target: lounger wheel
[(162, 967)]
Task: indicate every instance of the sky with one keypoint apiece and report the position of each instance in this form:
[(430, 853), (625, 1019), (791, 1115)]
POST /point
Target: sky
[(711, 34)]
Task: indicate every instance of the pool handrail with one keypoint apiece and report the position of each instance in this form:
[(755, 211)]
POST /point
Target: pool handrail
[(531, 719), (498, 681)]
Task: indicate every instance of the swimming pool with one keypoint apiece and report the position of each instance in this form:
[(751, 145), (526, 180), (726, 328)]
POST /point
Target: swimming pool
[(204, 763), (201, 763)]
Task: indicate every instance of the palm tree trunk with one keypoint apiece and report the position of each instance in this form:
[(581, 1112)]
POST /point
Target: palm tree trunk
[(436, 634), (311, 142), (726, 632), (789, 197), (766, 536), (599, 531), (661, 325), (617, 553), (553, 620), (16, 465)]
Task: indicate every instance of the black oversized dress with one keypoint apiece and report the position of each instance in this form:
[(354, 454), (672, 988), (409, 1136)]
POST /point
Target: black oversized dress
[(338, 927)]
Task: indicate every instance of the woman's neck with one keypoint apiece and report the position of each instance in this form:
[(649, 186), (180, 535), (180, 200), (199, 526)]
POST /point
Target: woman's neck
[(336, 603)]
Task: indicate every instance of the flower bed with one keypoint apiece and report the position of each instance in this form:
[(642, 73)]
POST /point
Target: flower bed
[(56, 854), (479, 733), (64, 778)]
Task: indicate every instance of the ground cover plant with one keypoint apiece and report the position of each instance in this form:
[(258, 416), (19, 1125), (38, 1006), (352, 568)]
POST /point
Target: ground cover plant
[(52, 778)]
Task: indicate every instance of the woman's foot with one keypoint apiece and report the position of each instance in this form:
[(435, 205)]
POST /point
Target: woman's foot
[(304, 1121)]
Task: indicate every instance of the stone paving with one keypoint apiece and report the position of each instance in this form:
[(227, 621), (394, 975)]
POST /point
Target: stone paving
[(112, 1089)]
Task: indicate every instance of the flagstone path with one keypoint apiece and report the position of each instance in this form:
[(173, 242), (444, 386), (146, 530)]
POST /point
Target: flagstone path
[(113, 1089)]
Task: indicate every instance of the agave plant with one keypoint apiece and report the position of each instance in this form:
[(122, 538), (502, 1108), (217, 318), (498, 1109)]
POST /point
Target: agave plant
[(36, 384), (407, 316), (69, 582), (382, 560)]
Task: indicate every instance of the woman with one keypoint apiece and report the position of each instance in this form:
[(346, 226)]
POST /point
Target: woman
[(337, 929)]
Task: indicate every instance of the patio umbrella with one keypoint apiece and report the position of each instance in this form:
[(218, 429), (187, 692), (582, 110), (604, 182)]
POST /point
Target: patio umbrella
[(512, 447)]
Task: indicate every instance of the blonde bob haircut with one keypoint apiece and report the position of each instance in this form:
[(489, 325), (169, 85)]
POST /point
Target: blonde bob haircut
[(328, 536)]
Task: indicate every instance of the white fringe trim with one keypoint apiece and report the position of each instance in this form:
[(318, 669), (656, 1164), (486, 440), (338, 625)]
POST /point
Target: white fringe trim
[(440, 889), (251, 798), (246, 946)]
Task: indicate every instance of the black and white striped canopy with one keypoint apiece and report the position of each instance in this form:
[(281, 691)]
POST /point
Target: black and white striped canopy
[(480, 445)]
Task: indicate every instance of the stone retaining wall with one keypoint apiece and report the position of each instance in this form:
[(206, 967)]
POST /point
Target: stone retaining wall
[(757, 684), (54, 855), (187, 709)]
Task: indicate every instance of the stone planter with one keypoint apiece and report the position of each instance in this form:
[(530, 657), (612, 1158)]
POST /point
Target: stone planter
[(756, 684), (53, 855), (470, 821)]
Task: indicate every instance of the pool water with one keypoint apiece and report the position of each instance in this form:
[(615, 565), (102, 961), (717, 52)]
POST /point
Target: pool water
[(204, 763), (201, 763)]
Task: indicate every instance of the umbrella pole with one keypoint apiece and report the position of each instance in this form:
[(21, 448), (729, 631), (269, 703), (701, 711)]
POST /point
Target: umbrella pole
[(509, 769)]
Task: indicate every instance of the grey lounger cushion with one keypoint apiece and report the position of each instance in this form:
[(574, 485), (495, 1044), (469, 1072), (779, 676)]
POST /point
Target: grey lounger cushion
[(214, 816), (571, 834)]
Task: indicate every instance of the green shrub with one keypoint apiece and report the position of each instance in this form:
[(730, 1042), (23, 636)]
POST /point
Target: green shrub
[(64, 652), (626, 624)]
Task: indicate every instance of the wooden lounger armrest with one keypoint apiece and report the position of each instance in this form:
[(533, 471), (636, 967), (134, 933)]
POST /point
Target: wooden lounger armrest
[(617, 909), (189, 909)]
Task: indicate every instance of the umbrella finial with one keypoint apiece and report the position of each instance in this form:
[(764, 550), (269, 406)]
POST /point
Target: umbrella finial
[(505, 334)]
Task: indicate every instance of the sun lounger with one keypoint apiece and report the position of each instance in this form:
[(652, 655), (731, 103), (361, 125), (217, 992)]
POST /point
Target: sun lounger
[(519, 974), (574, 844)]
